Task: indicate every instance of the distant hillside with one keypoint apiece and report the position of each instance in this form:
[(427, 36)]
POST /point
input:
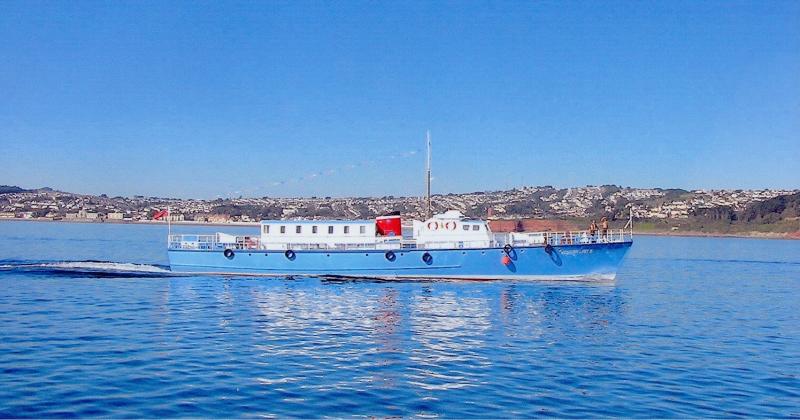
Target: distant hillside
[(778, 215), (782, 207), (653, 209), (9, 189)]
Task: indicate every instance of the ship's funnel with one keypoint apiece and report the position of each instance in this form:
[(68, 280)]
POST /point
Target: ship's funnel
[(389, 225)]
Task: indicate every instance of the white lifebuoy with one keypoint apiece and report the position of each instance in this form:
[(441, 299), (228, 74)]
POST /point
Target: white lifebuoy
[(433, 225), (450, 225)]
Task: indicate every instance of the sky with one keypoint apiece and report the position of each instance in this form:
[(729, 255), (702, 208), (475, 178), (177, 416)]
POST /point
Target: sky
[(210, 99)]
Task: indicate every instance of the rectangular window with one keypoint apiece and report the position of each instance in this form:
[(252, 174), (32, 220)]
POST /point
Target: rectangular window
[(283, 229), (476, 227), (313, 229), (298, 229), (266, 229), (362, 230), (346, 230), (330, 230), (466, 227)]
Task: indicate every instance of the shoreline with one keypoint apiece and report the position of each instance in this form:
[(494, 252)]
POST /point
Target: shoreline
[(745, 235)]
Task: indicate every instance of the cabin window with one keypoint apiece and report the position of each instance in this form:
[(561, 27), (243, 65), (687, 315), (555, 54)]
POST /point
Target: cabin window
[(476, 227), (346, 230), (330, 230), (313, 229), (298, 229), (465, 227), (266, 229), (283, 229), (362, 230)]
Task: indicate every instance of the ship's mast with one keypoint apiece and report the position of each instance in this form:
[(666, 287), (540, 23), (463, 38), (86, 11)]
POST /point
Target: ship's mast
[(428, 174)]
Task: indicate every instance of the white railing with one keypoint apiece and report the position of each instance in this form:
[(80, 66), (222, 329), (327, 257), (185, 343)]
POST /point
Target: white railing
[(215, 242), (564, 238), (212, 242)]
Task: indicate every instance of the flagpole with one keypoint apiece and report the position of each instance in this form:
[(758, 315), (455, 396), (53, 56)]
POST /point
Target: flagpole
[(169, 224)]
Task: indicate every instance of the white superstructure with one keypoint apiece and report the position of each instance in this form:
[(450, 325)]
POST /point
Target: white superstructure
[(452, 230), (288, 234)]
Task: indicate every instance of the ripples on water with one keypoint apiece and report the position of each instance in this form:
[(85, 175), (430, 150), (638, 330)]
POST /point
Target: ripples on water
[(683, 332)]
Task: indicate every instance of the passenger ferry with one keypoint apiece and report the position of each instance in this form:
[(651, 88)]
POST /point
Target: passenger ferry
[(445, 246)]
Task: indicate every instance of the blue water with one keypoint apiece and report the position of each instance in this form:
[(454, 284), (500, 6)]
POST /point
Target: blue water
[(692, 327)]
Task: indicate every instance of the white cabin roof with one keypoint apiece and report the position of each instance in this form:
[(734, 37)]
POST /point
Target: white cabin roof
[(449, 215)]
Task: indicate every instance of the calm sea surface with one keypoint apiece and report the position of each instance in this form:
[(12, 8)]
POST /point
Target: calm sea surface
[(91, 324)]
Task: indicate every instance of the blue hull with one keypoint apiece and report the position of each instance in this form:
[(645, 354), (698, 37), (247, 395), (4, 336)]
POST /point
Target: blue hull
[(565, 262)]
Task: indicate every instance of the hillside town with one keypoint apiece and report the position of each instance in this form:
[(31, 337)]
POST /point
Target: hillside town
[(520, 203)]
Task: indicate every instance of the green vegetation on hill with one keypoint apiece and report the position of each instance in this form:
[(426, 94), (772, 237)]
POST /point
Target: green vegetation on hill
[(782, 207), (780, 214)]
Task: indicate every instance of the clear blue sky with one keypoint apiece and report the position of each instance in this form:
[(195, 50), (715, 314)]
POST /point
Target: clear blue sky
[(206, 99)]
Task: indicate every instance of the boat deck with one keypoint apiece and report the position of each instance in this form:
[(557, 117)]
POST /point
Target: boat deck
[(218, 242)]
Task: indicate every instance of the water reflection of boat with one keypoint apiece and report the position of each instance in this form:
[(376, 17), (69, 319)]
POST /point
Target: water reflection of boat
[(412, 333)]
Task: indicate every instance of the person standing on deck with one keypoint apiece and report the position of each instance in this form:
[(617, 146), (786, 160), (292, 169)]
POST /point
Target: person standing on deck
[(593, 231), (604, 227)]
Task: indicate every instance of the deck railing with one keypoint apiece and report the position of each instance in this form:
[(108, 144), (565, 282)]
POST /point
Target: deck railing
[(215, 242), (564, 238), (212, 242), (586, 237)]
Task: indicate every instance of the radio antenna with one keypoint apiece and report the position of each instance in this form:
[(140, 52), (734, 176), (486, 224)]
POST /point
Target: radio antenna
[(428, 173)]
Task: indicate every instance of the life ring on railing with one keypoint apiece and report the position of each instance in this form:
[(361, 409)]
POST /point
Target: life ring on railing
[(450, 225), (433, 225), (228, 253), (290, 254), (427, 258), (507, 248), (390, 255)]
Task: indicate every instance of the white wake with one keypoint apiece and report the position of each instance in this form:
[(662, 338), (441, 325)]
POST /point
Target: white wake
[(86, 267), (105, 266)]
